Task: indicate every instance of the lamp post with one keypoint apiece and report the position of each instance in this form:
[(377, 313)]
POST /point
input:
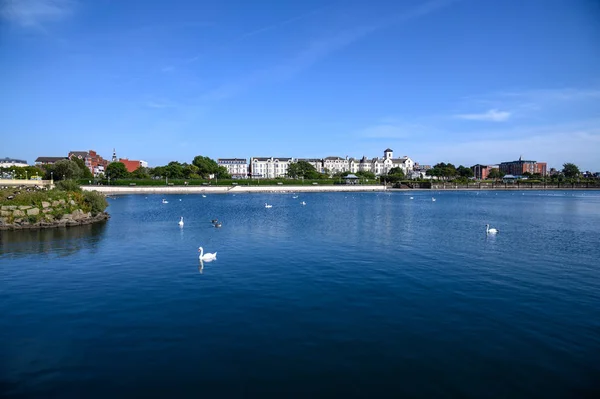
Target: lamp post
[(51, 178), (25, 175)]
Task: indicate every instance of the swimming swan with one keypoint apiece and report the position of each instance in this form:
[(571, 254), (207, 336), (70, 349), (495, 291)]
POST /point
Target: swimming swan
[(206, 256), (181, 222), (490, 231), (268, 206)]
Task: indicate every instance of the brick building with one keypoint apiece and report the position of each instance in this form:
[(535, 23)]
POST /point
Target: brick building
[(133, 165), (481, 172), (517, 168)]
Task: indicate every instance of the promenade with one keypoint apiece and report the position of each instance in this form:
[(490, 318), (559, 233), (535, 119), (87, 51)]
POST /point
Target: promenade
[(116, 190)]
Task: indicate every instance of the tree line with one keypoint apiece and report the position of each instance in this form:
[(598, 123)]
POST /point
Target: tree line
[(203, 167)]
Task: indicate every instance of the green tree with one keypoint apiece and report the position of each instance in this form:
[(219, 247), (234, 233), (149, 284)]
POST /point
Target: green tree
[(302, 169), (463, 171), (396, 171), (365, 175), (495, 174), (117, 170), (206, 166), (66, 169), (222, 173), (85, 171), (141, 173), (570, 170)]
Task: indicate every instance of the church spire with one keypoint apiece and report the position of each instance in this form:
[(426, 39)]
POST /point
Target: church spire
[(114, 157)]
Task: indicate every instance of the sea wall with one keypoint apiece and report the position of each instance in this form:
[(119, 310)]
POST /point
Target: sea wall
[(59, 213), (113, 190)]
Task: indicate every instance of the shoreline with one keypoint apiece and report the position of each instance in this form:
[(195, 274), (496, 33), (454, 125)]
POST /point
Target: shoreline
[(124, 190), (116, 190)]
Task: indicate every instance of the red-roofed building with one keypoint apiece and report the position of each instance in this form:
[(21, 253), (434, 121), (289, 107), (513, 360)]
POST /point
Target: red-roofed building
[(133, 165)]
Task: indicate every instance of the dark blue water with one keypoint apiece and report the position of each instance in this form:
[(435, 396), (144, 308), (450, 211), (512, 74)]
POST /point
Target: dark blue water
[(352, 295)]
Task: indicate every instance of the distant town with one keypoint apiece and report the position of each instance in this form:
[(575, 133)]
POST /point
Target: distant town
[(281, 167)]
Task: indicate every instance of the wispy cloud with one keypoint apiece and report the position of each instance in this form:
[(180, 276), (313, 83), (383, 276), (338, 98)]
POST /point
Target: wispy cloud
[(319, 49), (562, 94), (492, 115), (34, 13)]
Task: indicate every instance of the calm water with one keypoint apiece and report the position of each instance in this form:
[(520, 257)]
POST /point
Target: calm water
[(352, 295)]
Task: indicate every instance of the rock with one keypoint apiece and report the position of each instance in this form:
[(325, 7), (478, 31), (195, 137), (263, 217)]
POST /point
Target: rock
[(45, 204), (49, 218), (72, 202), (78, 214), (55, 203), (18, 213), (62, 201), (33, 212), (3, 221), (47, 210), (67, 216), (9, 207), (5, 213), (25, 207)]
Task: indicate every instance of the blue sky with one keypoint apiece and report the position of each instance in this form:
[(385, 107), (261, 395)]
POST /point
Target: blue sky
[(464, 81)]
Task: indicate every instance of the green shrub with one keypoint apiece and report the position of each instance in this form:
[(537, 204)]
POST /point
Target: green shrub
[(95, 201), (68, 185)]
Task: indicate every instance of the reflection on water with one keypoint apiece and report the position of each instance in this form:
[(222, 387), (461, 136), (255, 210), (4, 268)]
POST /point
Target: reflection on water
[(202, 262), (62, 241)]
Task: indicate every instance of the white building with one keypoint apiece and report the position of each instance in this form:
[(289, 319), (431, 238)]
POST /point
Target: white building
[(335, 165), (236, 167), (269, 168), (8, 162)]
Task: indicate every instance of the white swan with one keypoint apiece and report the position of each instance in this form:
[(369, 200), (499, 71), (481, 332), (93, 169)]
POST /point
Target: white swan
[(164, 201), (303, 203), (268, 206), (411, 198), (203, 196), (295, 196), (490, 231), (181, 222), (206, 256), (433, 199)]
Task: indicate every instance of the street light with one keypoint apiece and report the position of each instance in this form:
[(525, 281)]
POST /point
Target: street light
[(51, 177)]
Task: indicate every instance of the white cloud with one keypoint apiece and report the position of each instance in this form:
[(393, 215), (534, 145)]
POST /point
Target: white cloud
[(492, 115), (33, 13)]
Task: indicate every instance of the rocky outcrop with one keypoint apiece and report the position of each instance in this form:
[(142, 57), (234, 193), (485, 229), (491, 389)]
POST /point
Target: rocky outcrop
[(13, 217)]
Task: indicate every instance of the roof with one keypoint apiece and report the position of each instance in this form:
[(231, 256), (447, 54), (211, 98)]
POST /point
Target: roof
[(12, 160), (49, 159), (401, 160), (309, 159), (389, 150), (333, 159), (350, 176), (232, 159), (264, 159), (78, 154)]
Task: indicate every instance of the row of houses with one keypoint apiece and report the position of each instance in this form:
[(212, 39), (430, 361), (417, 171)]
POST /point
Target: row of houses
[(274, 167)]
